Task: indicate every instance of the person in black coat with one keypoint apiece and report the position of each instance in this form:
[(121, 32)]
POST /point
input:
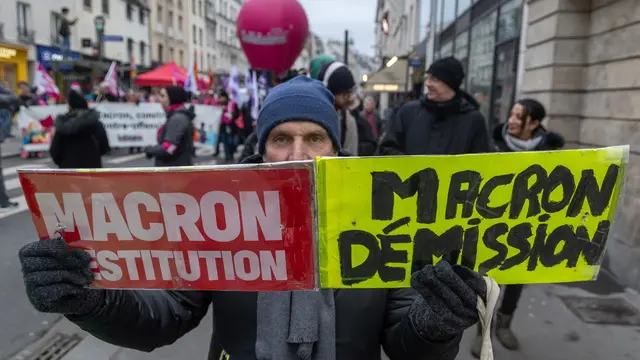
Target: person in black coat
[(446, 122), (80, 139), (425, 322), (522, 132), (175, 138)]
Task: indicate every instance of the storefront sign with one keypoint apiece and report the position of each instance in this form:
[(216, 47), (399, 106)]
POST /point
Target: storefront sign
[(47, 55), (7, 53)]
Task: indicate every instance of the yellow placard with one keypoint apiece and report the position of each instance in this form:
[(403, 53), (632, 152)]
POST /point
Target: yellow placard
[(521, 218)]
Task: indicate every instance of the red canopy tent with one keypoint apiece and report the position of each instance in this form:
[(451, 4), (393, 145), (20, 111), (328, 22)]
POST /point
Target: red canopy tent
[(166, 75)]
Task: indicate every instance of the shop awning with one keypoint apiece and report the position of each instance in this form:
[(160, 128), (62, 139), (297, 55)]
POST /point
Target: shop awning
[(389, 79), (165, 75)]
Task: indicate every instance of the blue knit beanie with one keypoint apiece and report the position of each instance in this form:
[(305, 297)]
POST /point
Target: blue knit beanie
[(299, 99)]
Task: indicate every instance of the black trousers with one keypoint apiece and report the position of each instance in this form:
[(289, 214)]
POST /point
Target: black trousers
[(510, 299)]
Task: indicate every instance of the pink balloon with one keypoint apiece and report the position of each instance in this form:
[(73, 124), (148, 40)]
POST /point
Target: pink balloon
[(272, 33)]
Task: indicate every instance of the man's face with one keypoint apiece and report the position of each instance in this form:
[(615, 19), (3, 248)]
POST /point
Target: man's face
[(344, 100), (438, 91), (369, 105), (297, 140), (519, 126)]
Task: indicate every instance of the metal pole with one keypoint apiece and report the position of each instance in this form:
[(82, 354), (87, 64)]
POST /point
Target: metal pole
[(346, 47)]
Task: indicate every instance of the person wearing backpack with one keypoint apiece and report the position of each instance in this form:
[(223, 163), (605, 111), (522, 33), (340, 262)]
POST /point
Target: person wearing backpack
[(80, 139)]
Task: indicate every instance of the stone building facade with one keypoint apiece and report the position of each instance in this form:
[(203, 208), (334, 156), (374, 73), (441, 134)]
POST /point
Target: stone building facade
[(582, 60)]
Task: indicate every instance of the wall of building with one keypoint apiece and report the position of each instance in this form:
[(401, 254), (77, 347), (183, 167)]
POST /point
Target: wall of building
[(117, 23), (170, 32), (583, 63)]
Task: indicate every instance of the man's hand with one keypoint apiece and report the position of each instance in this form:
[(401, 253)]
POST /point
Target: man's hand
[(447, 305), (56, 276)]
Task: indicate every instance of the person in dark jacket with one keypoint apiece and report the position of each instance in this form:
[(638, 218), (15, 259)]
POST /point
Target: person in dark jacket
[(423, 323), (355, 134), (175, 138), (372, 117), (80, 139), (522, 132), (446, 122), (9, 105)]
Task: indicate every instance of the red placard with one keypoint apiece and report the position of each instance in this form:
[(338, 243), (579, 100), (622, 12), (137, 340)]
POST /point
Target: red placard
[(248, 228)]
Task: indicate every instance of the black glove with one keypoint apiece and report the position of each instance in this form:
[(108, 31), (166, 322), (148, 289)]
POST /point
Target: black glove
[(447, 305), (56, 276)]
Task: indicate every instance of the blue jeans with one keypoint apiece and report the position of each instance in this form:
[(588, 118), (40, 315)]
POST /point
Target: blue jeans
[(66, 46)]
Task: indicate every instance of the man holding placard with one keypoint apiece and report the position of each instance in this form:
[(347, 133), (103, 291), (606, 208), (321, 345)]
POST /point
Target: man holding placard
[(298, 121)]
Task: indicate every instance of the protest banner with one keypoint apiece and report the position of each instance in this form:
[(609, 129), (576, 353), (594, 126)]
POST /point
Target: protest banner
[(37, 126), (131, 125), (242, 227), (529, 217), (127, 125), (207, 122)]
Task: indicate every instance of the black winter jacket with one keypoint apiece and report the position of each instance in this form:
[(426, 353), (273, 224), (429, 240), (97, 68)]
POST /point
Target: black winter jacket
[(550, 140), (420, 128), (80, 140), (365, 321), (178, 131)]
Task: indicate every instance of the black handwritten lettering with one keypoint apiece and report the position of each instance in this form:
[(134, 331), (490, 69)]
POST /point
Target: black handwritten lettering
[(385, 184), (559, 177), (490, 240), (427, 245), (518, 238), (592, 249), (482, 206), (598, 198), (347, 240), (458, 196), (523, 192), (390, 255)]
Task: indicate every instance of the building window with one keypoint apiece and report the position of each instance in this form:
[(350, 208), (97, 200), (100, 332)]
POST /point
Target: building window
[(181, 53), (159, 19), (87, 4), (141, 15), (129, 11), (193, 6), (179, 4), (463, 5), (200, 8), (129, 48), (201, 63), (180, 24), (447, 49), (208, 61), (56, 21), (105, 7), (510, 20), (461, 52), (481, 61), (24, 19), (448, 13), (172, 54), (200, 37), (170, 19), (160, 53), (143, 48), (195, 36)]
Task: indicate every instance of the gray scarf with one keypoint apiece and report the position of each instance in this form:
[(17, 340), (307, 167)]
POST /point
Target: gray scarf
[(295, 325), (516, 144)]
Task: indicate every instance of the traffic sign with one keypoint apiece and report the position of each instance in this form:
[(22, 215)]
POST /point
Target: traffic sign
[(116, 38)]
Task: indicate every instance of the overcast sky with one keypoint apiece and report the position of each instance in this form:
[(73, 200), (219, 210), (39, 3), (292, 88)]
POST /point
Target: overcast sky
[(329, 19)]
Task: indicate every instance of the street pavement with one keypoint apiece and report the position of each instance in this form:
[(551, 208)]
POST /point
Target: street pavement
[(547, 328), (20, 324)]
